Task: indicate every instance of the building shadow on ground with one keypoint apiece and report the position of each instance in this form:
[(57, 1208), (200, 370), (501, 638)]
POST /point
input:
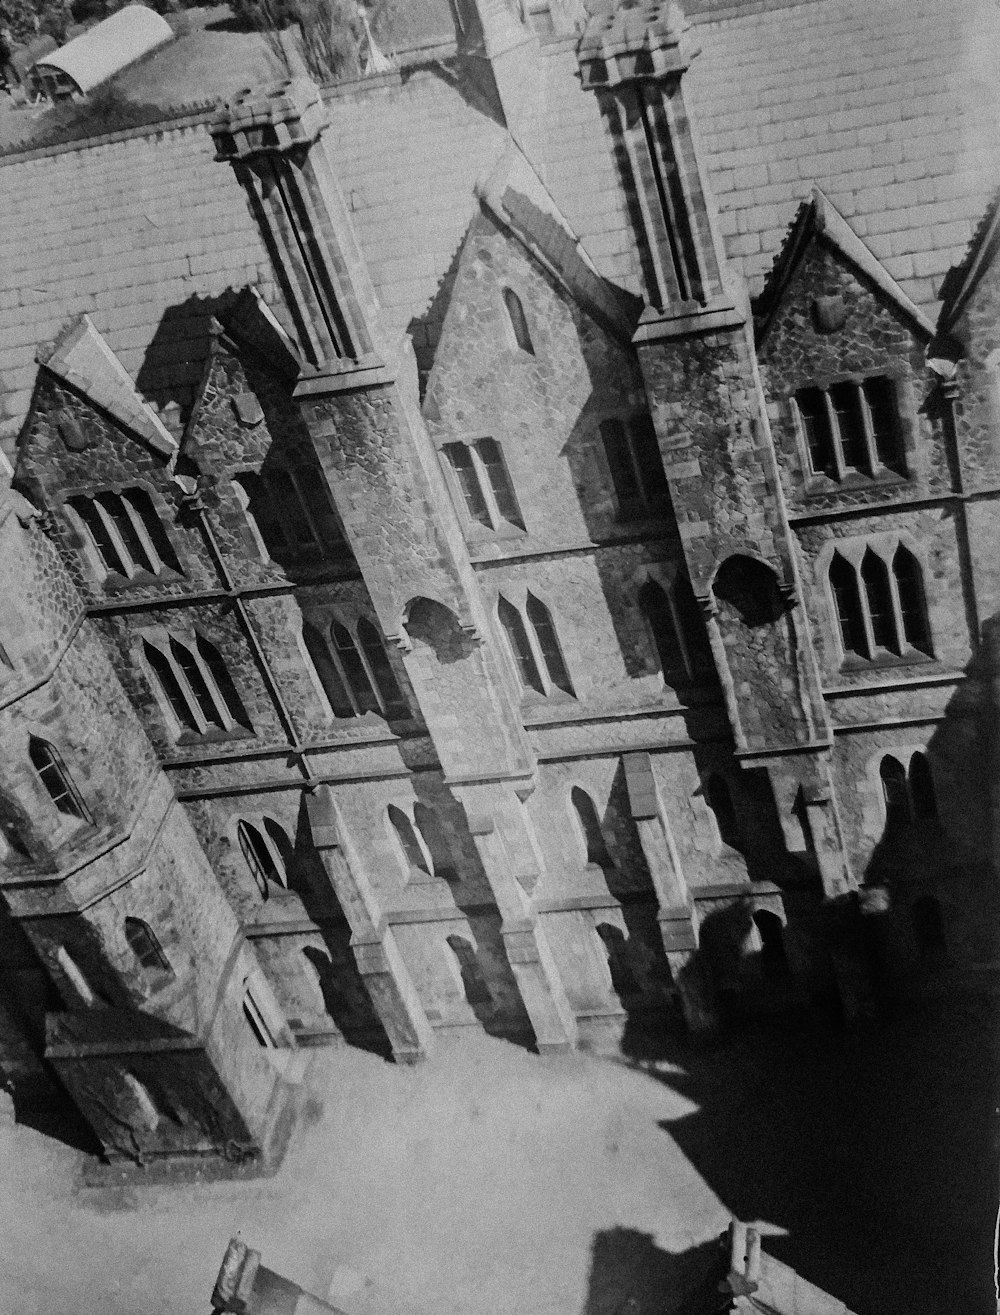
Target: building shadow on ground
[(631, 1275), (870, 1150)]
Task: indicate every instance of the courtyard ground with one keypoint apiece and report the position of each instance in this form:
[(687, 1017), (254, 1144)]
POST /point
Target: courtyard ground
[(490, 1181)]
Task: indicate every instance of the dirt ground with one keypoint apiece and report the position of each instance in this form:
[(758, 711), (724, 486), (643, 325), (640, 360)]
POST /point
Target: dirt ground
[(491, 1181)]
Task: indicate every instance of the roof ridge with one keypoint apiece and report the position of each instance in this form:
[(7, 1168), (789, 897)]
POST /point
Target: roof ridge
[(62, 137)]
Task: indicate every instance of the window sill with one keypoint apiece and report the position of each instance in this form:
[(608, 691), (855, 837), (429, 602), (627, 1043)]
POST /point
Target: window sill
[(188, 739), (854, 481), (530, 698), (477, 533), (120, 584), (886, 661)]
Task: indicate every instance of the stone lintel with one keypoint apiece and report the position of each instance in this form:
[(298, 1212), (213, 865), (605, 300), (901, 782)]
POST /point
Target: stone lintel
[(345, 377), (688, 319)]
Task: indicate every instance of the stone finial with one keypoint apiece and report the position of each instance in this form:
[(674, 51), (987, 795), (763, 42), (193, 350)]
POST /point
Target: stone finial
[(269, 122), (233, 1289), (646, 39)]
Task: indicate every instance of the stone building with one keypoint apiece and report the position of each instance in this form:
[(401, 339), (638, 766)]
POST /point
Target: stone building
[(505, 543)]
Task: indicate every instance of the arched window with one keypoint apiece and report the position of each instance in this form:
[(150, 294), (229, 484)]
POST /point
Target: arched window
[(436, 842), (262, 857), (659, 616), (390, 695), (520, 649), (875, 578), (719, 798), (518, 322), (53, 775), (413, 851), (678, 629), (912, 608), (750, 588), (894, 792), (355, 672), (922, 794), (328, 672), (126, 532), (548, 644), (477, 992), (590, 828), (772, 943), (636, 466), (196, 684), (145, 946), (844, 583)]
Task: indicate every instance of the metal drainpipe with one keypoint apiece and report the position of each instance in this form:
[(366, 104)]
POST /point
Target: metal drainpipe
[(192, 504)]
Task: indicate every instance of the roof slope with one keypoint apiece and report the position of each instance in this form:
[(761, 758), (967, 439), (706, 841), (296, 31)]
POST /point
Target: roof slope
[(888, 108)]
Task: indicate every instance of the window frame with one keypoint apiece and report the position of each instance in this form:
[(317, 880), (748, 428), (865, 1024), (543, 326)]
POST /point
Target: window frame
[(885, 550), (126, 571), (317, 546), (78, 814), (256, 830), (550, 688), (840, 471), (322, 627), (643, 505), (690, 670), (164, 642), (496, 523), (152, 958)]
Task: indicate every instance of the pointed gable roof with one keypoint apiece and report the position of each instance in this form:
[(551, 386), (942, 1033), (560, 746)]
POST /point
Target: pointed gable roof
[(82, 359), (515, 195), (817, 218)]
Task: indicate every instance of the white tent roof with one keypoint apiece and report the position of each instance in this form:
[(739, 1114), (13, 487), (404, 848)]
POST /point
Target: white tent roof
[(109, 46)]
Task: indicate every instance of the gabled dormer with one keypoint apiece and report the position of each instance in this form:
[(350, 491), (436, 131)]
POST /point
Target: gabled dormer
[(842, 352)]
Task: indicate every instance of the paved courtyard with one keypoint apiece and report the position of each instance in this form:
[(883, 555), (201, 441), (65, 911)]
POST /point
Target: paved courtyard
[(491, 1181)]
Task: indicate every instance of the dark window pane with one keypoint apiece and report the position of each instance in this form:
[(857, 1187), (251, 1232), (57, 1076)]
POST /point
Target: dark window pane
[(142, 505), (885, 423), (407, 838), (649, 463), (816, 424), (656, 609), (912, 607), (289, 507), (257, 856), (517, 639), (136, 549), (846, 401), (224, 682), (499, 480), (517, 321), (429, 826), (354, 669), (897, 799), (381, 668), (326, 669), (178, 700), (844, 582), (548, 642), (720, 800), (107, 549), (875, 576), (922, 788), (144, 944), (53, 776), (623, 473), (597, 850), (692, 625), (468, 481), (265, 514)]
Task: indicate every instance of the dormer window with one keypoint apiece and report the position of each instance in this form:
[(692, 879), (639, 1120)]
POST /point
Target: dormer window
[(126, 534), (851, 428)]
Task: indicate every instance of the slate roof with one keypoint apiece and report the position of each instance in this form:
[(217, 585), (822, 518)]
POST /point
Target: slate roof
[(890, 108)]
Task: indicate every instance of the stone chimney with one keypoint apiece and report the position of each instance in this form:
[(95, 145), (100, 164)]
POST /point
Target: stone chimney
[(274, 141), (634, 59)]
